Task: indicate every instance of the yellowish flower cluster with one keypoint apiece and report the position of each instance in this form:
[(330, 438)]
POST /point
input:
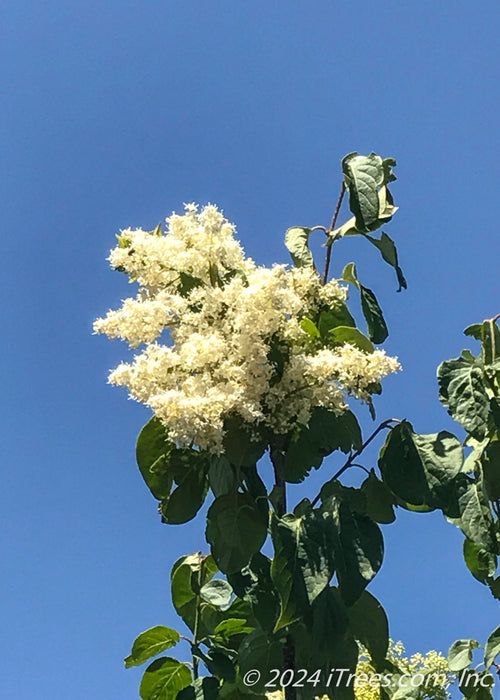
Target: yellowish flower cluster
[(210, 318)]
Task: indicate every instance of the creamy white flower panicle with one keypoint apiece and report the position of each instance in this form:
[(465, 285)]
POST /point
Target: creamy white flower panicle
[(209, 320)]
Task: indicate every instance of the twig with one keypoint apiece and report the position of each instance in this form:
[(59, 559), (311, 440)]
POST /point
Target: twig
[(355, 455), (332, 226)]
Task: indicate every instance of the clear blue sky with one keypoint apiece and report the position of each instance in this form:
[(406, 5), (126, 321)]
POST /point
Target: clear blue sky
[(114, 114)]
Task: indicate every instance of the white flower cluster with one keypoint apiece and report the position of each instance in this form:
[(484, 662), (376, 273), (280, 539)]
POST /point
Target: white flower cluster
[(212, 323)]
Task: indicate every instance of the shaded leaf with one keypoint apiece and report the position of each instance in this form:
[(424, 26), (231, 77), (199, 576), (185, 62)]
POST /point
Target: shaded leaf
[(475, 520), (333, 317), (152, 452), (379, 500), (353, 336), (260, 651), (186, 500), (481, 563), (241, 446), (201, 689), (377, 327), (389, 253), (236, 529), (369, 626)]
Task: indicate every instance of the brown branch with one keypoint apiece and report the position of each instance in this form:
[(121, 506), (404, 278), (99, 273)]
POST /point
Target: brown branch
[(332, 226)]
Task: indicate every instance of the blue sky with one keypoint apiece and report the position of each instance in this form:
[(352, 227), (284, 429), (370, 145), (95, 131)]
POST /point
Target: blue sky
[(114, 114)]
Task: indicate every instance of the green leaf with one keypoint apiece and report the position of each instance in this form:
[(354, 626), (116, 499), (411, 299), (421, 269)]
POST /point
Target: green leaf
[(186, 500), (201, 689), (241, 446), (363, 176), (359, 548), (187, 283), (297, 242), (353, 336), (260, 651), (347, 229), (419, 469), (481, 563), (460, 654), (475, 519), (333, 317), (379, 500), (220, 665), (231, 627), (310, 328), (303, 562), (349, 274), (221, 476), (490, 466), (488, 334), (236, 529), (325, 433), (254, 584), (163, 679), (369, 626), (150, 643), (492, 648), (390, 254), (372, 312), (328, 622), (462, 390), (188, 575), (217, 592), (152, 452), (377, 328)]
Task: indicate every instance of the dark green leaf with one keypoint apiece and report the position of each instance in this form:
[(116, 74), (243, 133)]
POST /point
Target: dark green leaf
[(419, 469), (490, 466), (359, 549), (217, 592), (241, 446), (236, 529), (186, 500), (255, 585), (370, 627), (260, 651), (488, 334), (377, 328), (163, 679), (353, 336), (329, 622), (220, 665), (188, 283), (475, 519), (492, 648), (150, 643), (232, 627), (481, 563), (460, 654), (297, 242), (363, 176), (462, 390), (390, 255), (339, 316), (201, 689), (379, 500), (152, 450), (221, 476), (303, 561)]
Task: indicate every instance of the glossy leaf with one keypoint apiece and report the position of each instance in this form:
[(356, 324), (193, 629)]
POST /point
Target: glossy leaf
[(297, 242), (188, 575), (462, 390), (151, 643), (163, 679), (152, 452), (217, 592), (236, 529)]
